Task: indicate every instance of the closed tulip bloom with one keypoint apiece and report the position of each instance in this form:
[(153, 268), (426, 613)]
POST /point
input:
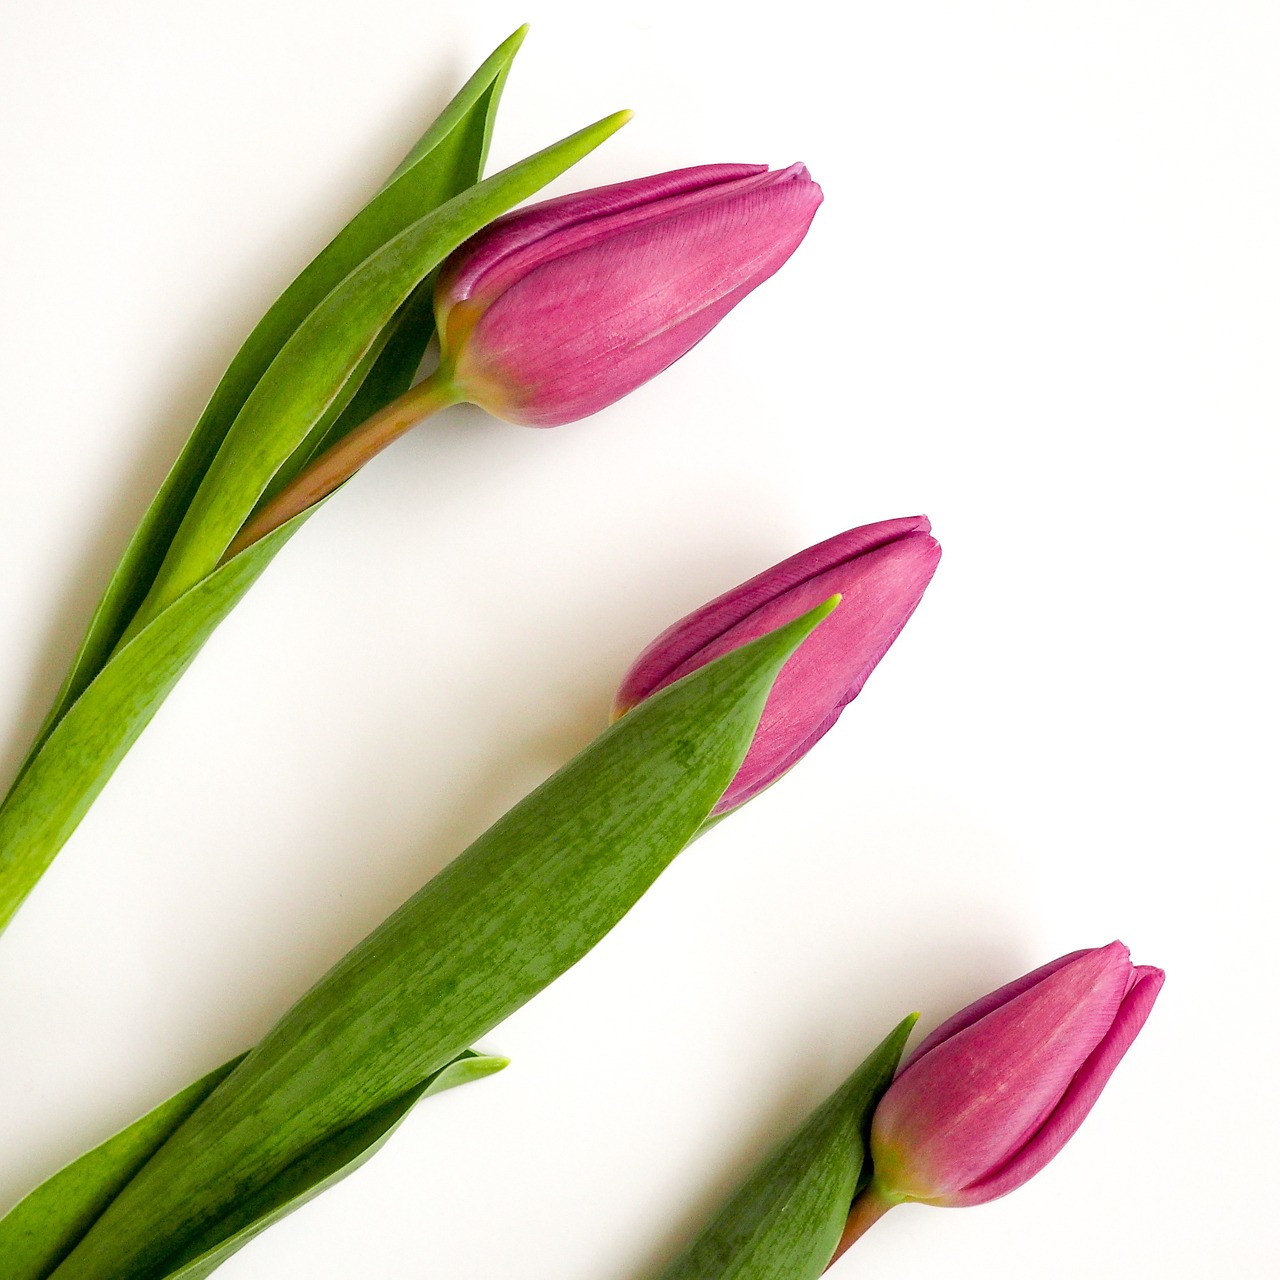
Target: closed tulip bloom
[(994, 1093), (555, 311), (880, 571)]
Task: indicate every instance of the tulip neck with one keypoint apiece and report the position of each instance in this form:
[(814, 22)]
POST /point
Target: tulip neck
[(864, 1213), (346, 456)]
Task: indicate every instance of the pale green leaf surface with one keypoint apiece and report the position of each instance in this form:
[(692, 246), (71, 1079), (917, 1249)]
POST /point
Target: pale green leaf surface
[(525, 902), (446, 160), (785, 1221)]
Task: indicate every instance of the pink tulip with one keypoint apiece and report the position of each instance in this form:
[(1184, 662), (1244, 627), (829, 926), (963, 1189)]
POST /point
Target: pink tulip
[(995, 1092), (557, 310), (880, 570)]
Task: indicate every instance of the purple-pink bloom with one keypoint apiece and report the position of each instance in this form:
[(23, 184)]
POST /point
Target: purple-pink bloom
[(555, 311), (995, 1092), (880, 571)]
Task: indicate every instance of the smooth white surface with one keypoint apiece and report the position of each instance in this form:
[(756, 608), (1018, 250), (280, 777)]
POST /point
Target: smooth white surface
[(1039, 303)]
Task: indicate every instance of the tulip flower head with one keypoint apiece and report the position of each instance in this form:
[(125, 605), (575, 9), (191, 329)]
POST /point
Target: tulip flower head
[(995, 1092), (880, 571), (555, 311), (559, 309)]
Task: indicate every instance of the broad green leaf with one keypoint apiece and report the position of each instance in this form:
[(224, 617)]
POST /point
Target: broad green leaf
[(316, 362), (90, 740), (525, 902), (785, 1221), (327, 1163), (78, 755), (446, 160), (43, 1228), (39, 1231)]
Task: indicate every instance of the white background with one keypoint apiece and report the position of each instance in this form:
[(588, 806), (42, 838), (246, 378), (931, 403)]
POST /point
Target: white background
[(1039, 304)]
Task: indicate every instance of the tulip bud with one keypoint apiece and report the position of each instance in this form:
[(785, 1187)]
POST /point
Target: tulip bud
[(995, 1092), (880, 571), (555, 311)]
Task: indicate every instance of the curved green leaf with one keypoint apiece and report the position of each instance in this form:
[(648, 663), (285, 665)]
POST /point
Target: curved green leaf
[(785, 1221), (39, 1232), (319, 358), (316, 1171), (447, 159), (78, 753), (41, 1229), (525, 902), (84, 748)]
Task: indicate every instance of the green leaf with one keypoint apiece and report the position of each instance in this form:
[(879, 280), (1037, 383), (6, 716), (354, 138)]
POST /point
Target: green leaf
[(386, 373), (39, 1232), (80, 754), (327, 1163), (311, 369), (525, 902), (447, 159), (785, 1221)]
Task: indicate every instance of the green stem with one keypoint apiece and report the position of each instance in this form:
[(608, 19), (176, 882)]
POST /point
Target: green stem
[(866, 1211), (343, 459)]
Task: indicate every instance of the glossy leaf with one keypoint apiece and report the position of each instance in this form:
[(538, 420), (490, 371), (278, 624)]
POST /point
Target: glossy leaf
[(525, 902), (785, 1221)]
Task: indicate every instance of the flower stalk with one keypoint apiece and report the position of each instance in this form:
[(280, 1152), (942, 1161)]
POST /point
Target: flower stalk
[(865, 1212), (346, 456)]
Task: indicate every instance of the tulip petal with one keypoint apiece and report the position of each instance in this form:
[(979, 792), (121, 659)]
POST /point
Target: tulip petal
[(625, 296), (980, 1008), (978, 1097), (486, 265), (1077, 1101), (680, 643), (880, 571), (823, 678)]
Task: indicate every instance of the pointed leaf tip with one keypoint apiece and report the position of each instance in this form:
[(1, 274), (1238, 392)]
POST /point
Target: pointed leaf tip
[(809, 622), (513, 42), (609, 125)]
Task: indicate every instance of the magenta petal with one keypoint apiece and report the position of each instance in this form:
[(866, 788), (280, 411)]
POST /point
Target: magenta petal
[(629, 300), (683, 640), (980, 1008), (880, 591), (1081, 1094), (479, 266), (880, 571), (994, 1094), (556, 311)]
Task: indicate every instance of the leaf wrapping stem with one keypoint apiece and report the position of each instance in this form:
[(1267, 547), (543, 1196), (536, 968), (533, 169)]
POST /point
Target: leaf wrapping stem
[(344, 458)]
